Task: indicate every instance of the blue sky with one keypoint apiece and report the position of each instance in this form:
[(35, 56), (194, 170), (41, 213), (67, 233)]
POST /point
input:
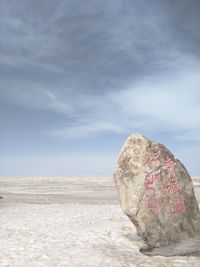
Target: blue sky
[(78, 77)]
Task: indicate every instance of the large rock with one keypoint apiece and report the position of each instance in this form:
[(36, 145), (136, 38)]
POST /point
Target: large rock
[(156, 193)]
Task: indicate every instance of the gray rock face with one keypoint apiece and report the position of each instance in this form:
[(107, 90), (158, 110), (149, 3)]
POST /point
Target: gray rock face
[(156, 193)]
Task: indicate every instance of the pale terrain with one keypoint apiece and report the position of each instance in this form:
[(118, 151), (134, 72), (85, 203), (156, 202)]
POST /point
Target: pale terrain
[(71, 221)]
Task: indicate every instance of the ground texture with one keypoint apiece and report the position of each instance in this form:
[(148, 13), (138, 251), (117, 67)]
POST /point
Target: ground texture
[(54, 222)]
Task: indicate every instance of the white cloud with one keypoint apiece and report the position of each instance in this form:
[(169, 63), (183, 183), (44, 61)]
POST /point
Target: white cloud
[(167, 103), (171, 103)]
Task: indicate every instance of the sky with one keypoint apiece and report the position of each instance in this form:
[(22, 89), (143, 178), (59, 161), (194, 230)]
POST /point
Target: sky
[(77, 77)]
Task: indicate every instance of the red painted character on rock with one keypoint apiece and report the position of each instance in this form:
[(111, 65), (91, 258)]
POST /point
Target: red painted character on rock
[(151, 159), (172, 187), (154, 185), (169, 166), (179, 206)]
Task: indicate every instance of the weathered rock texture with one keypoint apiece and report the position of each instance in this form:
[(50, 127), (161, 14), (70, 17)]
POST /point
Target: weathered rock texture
[(156, 193)]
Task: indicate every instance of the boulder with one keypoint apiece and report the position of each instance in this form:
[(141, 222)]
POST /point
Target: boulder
[(156, 193)]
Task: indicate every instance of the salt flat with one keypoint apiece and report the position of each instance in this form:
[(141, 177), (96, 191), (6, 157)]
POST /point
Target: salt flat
[(70, 221)]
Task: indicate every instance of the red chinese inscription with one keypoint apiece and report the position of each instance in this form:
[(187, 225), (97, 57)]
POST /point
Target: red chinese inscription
[(151, 159), (154, 185), (169, 166), (172, 187), (155, 188), (179, 206), (152, 181), (156, 204)]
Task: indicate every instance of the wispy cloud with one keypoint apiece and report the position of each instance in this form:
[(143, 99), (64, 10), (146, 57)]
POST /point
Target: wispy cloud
[(56, 104)]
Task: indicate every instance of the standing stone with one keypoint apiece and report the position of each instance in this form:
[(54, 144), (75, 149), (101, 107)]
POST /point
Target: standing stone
[(156, 193)]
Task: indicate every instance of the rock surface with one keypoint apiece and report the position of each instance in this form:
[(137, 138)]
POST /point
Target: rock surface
[(156, 193)]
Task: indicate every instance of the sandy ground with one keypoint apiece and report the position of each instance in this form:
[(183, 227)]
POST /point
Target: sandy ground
[(71, 221)]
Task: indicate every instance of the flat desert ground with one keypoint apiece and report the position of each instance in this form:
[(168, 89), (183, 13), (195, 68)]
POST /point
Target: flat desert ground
[(70, 221)]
